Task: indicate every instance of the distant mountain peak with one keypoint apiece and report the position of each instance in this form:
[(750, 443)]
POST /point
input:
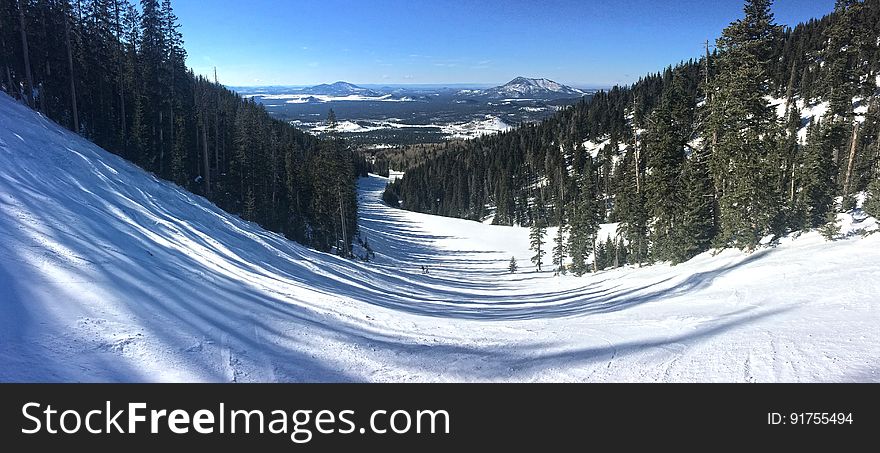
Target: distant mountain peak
[(339, 88), (345, 84), (525, 87)]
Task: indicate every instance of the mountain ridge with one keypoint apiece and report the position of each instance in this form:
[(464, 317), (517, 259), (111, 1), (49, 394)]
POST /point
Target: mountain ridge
[(523, 87), (339, 88)]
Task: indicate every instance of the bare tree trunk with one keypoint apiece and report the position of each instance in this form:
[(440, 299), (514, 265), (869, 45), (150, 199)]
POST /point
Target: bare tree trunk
[(617, 253), (639, 192), (718, 186), (217, 124), (195, 162), (48, 68), (637, 159), (595, 263), (121, 56), (707, 63), (4, 52), (877, 143), (207, 160), (173, 126), (161, 142), (72, 76), (172, 98), (852, 157), (27, 60), (9, 80), (274, 178), (171, 107), (343, 252)]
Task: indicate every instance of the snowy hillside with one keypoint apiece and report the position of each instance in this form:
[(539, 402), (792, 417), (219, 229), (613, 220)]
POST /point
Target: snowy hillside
[(108, 274), (476, 128)]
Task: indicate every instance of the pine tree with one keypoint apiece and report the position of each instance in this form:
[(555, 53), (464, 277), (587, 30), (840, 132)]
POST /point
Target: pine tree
[(179, 154), (151, 58), (600, 257), (872, 201), (744, 163), (840, 78), (816, 184), (696, 228), (536, 238), (560, 250), (175, 64), (790, 153), (135, 129), (331, 120), (667, 136), (622, 252), (831, 228), (612, 259), (68, 44), (584, 221), (629, 206), (560, 247), (512, 267), (25, 49)]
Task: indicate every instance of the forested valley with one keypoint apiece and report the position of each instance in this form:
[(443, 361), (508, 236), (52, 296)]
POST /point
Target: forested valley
[(773, 130)]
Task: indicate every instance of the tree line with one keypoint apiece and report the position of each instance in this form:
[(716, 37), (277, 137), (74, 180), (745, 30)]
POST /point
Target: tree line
[(116, 74), (712, 152)]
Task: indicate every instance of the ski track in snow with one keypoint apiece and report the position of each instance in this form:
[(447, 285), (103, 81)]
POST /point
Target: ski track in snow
[(108, 274)]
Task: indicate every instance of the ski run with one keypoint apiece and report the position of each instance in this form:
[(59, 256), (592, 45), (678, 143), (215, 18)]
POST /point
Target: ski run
[(109, 274)]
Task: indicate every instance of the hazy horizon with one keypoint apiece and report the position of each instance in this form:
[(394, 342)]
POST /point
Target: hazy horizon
[(419, 85)]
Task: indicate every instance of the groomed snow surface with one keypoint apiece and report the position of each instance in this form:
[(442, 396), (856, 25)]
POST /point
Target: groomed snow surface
[(108, 274)]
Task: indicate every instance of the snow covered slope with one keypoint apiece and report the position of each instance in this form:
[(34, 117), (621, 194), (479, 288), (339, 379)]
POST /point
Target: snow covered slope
[(108, 274)]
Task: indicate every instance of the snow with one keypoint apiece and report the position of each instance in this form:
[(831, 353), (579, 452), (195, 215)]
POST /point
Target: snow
[(594, 148), (860, 110), (522, 87), (349, 126), (324, 98), (607, 230), (695, 144), (476, 128), (812, 112), (380, 146), (108, 274), (345, 126), (489, 124), (394, 175)]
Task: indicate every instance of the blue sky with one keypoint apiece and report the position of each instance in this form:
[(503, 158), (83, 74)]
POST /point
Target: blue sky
[(584, 43)]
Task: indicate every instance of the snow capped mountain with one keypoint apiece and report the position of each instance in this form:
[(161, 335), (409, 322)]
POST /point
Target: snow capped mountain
[(525, 88), (339, 89)]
